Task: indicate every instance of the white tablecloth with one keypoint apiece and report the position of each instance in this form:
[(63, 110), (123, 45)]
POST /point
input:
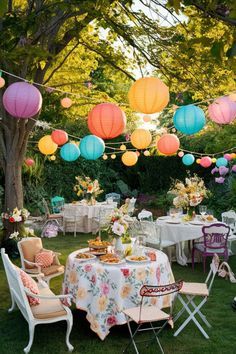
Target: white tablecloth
[(179, 231), (88, 216), (103, 291)]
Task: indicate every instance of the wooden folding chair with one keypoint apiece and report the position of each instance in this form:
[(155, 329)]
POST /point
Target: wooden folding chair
[(145, 314), (189, 292)]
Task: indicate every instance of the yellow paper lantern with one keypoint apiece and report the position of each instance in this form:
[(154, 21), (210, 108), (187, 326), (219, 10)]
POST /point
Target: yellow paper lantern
[(148, 95), (141, 138), (105, 157), (46, 145), (53, 158), (129, 158), (213, 159), (66, 102), (146, 153), (198, 161), (113, 156), (123, 147)]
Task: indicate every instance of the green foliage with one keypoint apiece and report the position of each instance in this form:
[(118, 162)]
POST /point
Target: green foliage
[(125, 190)]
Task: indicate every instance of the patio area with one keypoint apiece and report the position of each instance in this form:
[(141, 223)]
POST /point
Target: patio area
[(50, 338)]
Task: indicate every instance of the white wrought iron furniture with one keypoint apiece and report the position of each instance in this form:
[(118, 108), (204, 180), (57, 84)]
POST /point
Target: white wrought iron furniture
[(114, 196), (131, 206), (72, 218), (144, 313), (49, 310), (104, 218), (145, 215), (28, 248), (229, 218), (189, 292)]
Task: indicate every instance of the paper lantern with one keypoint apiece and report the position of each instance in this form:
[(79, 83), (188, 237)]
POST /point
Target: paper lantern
[(70, 152), (228, 157), (222, 110), (129, 158), (147, 119), (2, 82), (105, 157), (189, 119), (233, 169), (198, 161), (181, 154), (213, 160), (29, 162), (91, 147), (188, 159), (141, 138), (59, 137), (66, 102), (123, 147), (22, 100), (148, 95), (106, 120), (113, 156), (221, 161), (168, 144), (146, 153), (46, 145), (206, 161)]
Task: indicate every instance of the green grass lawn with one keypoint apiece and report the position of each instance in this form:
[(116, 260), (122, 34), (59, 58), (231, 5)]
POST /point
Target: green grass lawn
[(51, 338)]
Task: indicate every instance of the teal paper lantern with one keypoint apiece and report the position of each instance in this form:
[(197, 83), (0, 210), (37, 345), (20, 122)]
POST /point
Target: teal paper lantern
[(221, 161), (70, 152), (188, 159), (91, 147), (189, 119)]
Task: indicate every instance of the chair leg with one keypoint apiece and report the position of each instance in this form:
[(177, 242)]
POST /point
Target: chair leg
[(31, 338), (69, 328), (132, 337), (193, 254)]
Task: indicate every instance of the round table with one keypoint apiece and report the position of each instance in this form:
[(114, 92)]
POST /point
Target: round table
[(103, 291)]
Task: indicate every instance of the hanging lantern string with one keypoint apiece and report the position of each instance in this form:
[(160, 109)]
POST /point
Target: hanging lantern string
[(91, 98)]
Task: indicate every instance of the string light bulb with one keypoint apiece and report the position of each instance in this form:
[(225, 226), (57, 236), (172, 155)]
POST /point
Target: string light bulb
[(113, 156), (104, 156), (146, 153), (123, 147)]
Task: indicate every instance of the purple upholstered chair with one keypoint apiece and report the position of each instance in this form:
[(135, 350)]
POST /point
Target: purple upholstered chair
[(214, 240)]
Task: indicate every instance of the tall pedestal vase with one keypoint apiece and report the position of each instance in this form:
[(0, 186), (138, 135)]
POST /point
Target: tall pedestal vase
[(119, 246)]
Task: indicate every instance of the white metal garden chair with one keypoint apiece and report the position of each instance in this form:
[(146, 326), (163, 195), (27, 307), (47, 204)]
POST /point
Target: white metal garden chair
[(72, 218), (147, 314), (229, 218), (49, 310), (189, 292), (28, 247), (104, 218)]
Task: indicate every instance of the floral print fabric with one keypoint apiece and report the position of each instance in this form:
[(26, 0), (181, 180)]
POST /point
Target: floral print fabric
[(103, 291)]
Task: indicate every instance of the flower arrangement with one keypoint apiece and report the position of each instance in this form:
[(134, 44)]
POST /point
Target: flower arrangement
[(17, 236), (189, 194), (87, 188), (17, 215), (118, 226)]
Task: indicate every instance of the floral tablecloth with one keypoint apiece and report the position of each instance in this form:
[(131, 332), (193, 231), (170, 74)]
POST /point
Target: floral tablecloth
[(103, 291)]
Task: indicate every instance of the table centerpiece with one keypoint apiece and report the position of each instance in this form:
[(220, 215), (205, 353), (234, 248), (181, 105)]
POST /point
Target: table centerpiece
[(118, 230), (189, 194), (87, 189)]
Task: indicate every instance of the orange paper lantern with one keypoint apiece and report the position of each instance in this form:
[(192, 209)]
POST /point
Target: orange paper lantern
[(141, 138), (59, 137), (148, 95), (168, 144), (106, 120), (129, 158), (66, 102)]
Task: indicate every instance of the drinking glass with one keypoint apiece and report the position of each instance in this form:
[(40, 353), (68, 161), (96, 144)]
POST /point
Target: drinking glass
[(139, 244), (202, 209), (173, 212)]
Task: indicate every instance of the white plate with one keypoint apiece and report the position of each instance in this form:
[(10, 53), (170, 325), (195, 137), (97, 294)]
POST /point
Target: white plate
[(128, 258), (85, 259), (173, 222), (163, 218), (196, 222), (113, 264)]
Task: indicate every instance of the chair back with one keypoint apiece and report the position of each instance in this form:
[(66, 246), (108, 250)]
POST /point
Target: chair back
[(145, 215), (152, 233), (57, 204), (16, 286), (229, 218), (215, 237), (213, 271), (114, 196), (104, 216), (159, 290), (28, 247), (134, 228), (46, 208), (131, 206)]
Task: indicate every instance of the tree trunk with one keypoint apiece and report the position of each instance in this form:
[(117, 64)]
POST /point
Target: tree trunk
[(13, 186)]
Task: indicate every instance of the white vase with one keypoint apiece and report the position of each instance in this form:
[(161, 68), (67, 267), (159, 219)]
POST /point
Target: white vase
[(119, 246)]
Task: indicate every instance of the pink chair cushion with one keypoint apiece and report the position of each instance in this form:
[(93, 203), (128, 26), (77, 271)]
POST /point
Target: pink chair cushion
[(30, 284), (44, 258)]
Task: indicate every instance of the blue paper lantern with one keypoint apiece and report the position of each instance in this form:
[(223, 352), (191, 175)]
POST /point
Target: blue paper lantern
[(91, 147), (221, 161), (70, 152), (189, 119), (188, 159)]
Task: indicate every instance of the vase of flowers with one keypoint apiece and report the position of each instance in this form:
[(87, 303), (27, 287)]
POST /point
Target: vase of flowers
[(189, 194), (87, 189), (118, 229)]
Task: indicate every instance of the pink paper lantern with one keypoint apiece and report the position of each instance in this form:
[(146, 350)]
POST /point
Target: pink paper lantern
[(205, 161), (22, 100), (228, 157), (222, 110)]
